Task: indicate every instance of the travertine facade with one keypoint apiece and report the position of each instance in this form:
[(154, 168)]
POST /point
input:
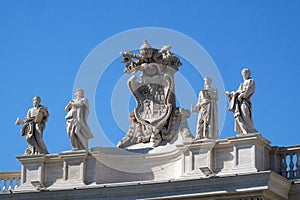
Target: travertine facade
[(241, 168)]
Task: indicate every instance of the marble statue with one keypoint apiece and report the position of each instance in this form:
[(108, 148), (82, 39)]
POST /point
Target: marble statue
[(76, 121), (241, 106), (207, 125), (154, 116), (34, 126)]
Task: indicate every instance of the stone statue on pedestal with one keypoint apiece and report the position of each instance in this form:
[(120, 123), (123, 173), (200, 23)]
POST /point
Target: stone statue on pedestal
[(34, 126), (77, 127), (241, 106), (151, 120), (207, 126)]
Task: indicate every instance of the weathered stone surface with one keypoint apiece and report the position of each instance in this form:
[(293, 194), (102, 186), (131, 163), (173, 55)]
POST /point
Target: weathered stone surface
[(242, 154), (259, 185), (155, 118)]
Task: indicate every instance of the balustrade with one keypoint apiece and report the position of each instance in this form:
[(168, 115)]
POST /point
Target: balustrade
[(289, 166), (9, 181)]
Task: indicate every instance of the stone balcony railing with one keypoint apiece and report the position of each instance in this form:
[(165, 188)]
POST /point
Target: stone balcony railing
[(286, 161), (9, 181)]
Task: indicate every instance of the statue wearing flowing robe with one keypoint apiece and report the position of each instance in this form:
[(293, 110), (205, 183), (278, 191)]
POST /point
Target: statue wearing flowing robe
[(34, 126), (207, 125), (241, 106), (76, 121)]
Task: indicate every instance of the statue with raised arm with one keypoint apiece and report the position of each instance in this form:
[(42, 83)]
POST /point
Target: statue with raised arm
[(34, 126), (241, 106), (77, 127), (207, 126)]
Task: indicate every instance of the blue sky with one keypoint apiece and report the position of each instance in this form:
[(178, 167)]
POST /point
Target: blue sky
[(44, 43)]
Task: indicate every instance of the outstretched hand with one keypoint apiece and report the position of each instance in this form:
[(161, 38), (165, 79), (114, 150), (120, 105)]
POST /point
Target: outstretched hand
[(18, 121)]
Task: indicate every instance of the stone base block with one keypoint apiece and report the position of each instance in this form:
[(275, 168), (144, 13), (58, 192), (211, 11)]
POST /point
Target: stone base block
[(234, 155)]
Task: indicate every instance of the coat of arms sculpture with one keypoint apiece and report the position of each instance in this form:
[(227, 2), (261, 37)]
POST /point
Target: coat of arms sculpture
[(155, 118)]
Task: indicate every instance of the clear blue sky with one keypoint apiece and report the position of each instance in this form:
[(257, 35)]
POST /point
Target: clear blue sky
[(44, 43)]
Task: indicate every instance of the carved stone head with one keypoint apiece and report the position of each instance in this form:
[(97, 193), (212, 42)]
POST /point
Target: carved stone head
[(207, 81), (36, 101), (246, 73), (79, 93)]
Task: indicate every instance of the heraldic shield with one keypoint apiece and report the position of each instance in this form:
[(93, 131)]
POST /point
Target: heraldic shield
[(155, 101), (155, 118)]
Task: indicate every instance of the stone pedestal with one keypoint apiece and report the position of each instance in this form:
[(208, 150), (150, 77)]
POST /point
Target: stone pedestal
[(198, 154), (32, 170), (239, 154), (234, 155), (243, 153), (55, 170), (74, 166)]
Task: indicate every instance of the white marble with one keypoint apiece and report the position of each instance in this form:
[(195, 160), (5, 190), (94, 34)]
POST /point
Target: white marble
[(207, 124), (76, 121), (34, 125), (240, 104)]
